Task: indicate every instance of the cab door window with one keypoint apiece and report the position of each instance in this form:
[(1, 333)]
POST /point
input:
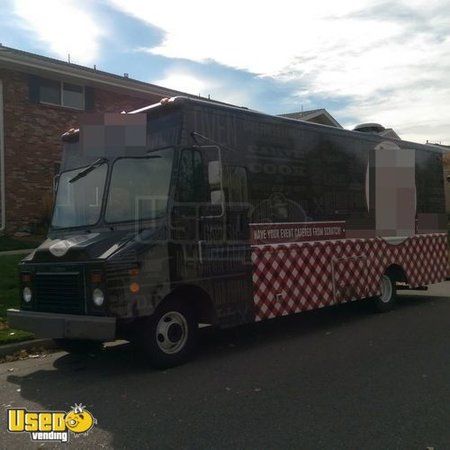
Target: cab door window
[(189, 198), (191, 178), (235, 185)]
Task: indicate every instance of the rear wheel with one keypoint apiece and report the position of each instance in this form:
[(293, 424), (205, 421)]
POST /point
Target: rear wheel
[(169, 337), (387, 298)]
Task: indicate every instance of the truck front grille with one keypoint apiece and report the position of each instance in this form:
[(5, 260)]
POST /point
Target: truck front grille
[(59, 292)]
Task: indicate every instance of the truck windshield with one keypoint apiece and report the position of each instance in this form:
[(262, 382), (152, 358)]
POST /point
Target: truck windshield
[(139, 187), (79, 198)]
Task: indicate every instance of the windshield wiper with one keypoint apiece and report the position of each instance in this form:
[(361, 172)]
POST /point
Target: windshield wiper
[(89, 169)]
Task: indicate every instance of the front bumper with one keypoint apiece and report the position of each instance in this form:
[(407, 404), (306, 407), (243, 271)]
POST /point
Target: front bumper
[(56, 326)]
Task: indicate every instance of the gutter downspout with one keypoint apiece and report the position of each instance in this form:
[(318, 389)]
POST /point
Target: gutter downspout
[(2, 163)]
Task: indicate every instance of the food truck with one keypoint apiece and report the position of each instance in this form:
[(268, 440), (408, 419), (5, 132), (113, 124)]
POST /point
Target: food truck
[(191, 212)]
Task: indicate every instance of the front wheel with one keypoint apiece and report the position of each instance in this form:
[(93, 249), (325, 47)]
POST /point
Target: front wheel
[(169, 337), (386, 300)]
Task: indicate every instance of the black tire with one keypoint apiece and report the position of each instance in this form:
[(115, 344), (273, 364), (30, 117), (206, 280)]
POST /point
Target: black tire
[(79, 346), (386, 301), (169, 337)]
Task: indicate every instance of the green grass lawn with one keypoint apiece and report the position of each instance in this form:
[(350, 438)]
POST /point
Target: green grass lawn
[(8, 336), (8, 243), (9, 283), (9, 298)]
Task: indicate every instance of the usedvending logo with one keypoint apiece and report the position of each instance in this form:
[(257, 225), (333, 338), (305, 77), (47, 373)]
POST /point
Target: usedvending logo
[(53, 426)]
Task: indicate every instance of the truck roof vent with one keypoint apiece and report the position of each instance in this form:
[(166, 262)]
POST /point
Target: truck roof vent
[(375, 128)]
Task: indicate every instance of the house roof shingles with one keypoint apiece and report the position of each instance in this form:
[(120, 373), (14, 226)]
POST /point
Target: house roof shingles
[(32, 62)]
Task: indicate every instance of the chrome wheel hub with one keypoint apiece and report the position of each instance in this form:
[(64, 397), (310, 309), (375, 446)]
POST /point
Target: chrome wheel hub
[(386, 289), (172, 332)]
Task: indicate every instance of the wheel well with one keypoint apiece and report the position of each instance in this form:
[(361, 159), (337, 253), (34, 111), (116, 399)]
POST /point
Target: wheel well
[(200, 301), (397, 273)]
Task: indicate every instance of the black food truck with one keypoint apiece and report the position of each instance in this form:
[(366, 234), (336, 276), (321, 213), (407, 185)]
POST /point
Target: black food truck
[(191, 212)]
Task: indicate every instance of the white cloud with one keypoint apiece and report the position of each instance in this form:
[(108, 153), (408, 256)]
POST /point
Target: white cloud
[(417, 115), (260, 37), (65, 26), (388, 60), (190, 83), (185, 82)]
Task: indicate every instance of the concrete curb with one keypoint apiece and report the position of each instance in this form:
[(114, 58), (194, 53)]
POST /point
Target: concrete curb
[(16, 252), (10, 349)]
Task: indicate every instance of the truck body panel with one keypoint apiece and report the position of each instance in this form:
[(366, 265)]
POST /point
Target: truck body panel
[(264, 216)]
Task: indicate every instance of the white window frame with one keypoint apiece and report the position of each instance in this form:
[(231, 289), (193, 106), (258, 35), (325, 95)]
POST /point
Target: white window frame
[(61, 91)]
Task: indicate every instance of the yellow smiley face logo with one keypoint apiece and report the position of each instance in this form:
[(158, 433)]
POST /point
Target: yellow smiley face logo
[(79, 422)]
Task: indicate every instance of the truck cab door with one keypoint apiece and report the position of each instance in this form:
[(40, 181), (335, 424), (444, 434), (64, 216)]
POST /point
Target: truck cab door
[(209, 244), (189, 198), (224, 247)]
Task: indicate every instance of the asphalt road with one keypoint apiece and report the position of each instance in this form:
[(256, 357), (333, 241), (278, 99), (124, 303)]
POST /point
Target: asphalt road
[(339, 378)]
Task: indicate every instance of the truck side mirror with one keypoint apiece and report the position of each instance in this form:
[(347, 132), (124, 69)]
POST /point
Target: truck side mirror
[(215, 173), (215, 180), (217, 198)]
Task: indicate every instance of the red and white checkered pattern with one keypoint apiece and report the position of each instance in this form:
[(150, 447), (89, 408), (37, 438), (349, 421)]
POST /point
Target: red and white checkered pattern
[(293, 277)]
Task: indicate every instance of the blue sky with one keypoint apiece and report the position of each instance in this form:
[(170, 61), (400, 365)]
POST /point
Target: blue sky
[(366, 61)]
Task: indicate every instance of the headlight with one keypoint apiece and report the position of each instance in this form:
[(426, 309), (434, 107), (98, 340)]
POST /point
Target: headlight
[(27, 295), (98, 297)]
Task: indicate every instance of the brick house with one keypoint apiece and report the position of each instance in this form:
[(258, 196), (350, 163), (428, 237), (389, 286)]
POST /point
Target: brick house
[(40, 98), (321, 116)]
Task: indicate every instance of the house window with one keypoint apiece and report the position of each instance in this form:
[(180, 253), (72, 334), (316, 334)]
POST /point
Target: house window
[(61, 93), (50, 92), (72, 96)]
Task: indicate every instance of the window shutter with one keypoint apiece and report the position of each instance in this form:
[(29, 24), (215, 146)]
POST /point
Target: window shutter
[(33, 88), (89, 98)]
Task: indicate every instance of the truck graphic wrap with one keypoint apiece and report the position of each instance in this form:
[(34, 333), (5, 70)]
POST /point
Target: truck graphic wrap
[(192, 212), (299, 276)]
